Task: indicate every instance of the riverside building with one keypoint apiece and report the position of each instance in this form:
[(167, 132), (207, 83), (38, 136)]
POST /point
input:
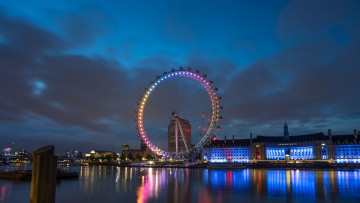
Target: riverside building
[(291, 149)]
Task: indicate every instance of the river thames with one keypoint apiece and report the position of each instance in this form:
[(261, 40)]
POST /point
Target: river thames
[(124, 184)]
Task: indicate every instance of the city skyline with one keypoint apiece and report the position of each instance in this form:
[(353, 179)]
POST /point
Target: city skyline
[(71, 73)]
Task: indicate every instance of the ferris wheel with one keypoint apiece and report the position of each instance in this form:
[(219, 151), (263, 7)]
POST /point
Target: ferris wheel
[(170, 105)]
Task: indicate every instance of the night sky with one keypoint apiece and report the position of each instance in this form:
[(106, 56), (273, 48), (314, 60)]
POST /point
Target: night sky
[(71, 72)]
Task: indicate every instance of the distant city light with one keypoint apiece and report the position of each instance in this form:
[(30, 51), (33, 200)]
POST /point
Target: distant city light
[(8, 149)]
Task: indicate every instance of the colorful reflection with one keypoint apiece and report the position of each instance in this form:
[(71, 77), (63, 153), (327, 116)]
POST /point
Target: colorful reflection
[(303, 183), (276, 182), (290, 185), (118, 184), (348, 183), (154, 181), (236, 179), (2, 196)]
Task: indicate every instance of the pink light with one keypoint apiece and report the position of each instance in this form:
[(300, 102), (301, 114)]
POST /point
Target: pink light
[(190, 75)]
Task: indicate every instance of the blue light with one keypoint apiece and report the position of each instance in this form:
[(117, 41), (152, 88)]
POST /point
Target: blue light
[(232, 155), (276, 153), (205, 157), (276, 182), (296, 153), (347, 153), (301, 153)]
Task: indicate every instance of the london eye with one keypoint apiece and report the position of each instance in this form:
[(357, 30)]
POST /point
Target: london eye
[(172, 104)]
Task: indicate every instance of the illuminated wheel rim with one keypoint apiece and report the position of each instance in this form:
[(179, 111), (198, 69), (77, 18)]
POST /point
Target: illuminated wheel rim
[(214, 117)]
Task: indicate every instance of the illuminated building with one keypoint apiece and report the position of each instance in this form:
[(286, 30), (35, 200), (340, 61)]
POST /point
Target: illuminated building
[(124, 148), (23, 152), (101, 154), (286, 148), (7, 151), (222, 151), (143, 152), (186, 127), (347, 148)]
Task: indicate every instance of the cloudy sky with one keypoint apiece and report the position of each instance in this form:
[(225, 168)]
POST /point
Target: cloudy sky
[(71, 72)]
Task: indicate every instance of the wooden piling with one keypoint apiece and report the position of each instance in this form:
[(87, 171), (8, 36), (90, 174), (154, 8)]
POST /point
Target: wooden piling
[(43, 180)]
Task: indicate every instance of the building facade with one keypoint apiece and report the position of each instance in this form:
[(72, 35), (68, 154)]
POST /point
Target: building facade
[(186, 127), (128, 153), (286, 148), (124, 148), (222, 151)]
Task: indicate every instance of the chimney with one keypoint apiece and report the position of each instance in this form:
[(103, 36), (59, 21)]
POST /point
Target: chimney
[(355, 135), (225, 140), (250, 138), (329, 133), (233, 139)]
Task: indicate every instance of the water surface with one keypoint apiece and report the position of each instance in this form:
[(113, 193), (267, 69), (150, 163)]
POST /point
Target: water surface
[(116, 184)]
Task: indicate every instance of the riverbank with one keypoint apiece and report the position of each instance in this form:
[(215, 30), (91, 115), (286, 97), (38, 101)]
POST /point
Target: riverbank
[(320, 165), (314, 165), (258, 165)]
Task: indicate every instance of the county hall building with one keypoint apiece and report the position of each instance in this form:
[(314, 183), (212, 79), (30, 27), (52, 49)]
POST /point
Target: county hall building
[(286, 148)]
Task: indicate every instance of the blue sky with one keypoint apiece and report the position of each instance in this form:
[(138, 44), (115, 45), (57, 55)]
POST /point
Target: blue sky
[(71, 71), (151, 28)]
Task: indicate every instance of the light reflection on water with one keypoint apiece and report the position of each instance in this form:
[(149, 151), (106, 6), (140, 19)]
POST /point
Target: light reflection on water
[(116, 184)]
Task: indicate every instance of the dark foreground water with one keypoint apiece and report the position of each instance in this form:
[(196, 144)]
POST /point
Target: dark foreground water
[(114, 184)]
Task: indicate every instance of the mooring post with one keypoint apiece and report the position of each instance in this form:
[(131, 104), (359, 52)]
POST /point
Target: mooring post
[(43, 179)]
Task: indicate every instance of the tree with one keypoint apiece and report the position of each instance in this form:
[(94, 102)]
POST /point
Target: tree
[(149, 157), (138, 157), (92, 158), (130, 157), (109, 158), (122, 157)]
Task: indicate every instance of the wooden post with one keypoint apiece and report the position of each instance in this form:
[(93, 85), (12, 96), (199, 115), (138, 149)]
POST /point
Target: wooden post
[(43, 180)]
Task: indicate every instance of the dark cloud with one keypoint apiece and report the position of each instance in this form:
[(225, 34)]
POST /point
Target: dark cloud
[(25, 37), (78, 91), (310, 83), (298, 84), (75, 100)]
